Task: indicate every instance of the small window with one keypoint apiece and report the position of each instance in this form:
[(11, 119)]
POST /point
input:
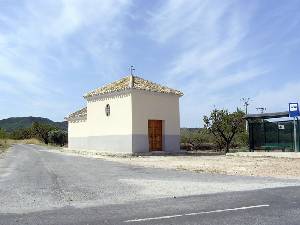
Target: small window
[(107, 110)]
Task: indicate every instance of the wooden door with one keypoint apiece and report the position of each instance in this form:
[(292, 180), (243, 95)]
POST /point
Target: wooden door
[(155, 135)]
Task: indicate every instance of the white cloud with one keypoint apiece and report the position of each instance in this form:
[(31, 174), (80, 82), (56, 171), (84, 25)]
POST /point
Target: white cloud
[(212, 35), (210, 49), (212, 53), (231, 80), (46, 24), (179, 18), (39, 40), (277, 98)]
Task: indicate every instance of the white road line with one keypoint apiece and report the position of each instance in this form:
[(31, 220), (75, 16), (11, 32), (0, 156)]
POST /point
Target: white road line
[(197, 213)]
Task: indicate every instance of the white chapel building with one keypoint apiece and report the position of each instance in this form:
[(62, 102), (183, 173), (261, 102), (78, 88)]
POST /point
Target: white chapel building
[(130, 115)]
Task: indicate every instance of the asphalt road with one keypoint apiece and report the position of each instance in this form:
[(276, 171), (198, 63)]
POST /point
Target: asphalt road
[(38, 186)]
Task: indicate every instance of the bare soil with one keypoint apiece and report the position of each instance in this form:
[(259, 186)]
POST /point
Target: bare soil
[(219, 164), (231, 165)]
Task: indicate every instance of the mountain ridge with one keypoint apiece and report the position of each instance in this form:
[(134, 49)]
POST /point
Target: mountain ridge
[(13, 123)]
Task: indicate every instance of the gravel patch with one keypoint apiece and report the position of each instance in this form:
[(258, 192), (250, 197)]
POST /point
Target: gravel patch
[(287, 168)]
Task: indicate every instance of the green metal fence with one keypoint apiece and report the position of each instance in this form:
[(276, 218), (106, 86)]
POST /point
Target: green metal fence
[(267, 135)]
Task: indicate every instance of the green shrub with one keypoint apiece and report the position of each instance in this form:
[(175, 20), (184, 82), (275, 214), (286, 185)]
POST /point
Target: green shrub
[(40, 132), (22, 133), (241, 140), (58, 137), (3, 134), (196, 139)]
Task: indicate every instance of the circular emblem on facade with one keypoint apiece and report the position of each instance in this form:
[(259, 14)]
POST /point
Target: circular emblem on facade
[(107, 110)]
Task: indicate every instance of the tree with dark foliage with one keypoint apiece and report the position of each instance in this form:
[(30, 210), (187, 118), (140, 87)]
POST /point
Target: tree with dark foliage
[(22, 133), (40, 131), (58, 137)]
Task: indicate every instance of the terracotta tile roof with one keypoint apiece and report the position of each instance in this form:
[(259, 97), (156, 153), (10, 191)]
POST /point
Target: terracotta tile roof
[(132, 82), (78, 115)]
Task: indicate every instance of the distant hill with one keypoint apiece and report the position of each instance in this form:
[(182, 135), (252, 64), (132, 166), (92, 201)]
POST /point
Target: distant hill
[(14, 123), (193, 130)]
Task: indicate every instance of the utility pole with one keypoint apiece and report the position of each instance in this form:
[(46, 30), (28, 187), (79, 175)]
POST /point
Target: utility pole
[(295, 136), (294, 112), (246, 104)]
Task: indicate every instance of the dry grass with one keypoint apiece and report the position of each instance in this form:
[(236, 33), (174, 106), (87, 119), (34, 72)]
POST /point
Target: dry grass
[(6, 143), (30, 141)]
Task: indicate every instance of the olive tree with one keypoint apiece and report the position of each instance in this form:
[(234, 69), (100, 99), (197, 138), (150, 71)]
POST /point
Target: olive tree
[(40, 131), (224, 126)]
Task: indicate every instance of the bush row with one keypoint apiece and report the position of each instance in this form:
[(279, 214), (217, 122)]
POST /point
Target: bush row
[(43, 132)]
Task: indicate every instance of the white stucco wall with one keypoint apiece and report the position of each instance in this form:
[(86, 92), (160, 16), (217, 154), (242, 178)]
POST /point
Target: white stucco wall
[(77, 134), (155, 106), (120, 120), (106, 133), (126, 129)]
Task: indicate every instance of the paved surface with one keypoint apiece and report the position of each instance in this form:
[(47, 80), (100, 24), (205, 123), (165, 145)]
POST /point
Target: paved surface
[(41, 187)]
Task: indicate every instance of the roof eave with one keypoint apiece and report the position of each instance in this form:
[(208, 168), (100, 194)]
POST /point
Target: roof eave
[(79, 118), (267, 115), (121, 91), (89, 96)]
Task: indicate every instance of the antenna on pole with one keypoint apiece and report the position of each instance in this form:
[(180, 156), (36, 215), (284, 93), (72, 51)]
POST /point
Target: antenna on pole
[(246, 104), (132, 69), (261, 109)]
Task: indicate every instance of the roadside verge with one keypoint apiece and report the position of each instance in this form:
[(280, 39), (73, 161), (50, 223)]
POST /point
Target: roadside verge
[(290, 155), (221, 164)]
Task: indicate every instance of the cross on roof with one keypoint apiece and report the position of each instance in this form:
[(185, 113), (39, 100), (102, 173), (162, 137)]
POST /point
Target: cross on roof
[(132, 69)]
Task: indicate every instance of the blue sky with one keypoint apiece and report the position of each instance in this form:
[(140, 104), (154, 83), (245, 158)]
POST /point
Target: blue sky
[(216, 52)]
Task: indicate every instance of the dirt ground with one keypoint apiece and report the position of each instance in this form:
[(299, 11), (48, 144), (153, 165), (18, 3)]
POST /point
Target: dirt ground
[(220, 164), (231, 165)]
